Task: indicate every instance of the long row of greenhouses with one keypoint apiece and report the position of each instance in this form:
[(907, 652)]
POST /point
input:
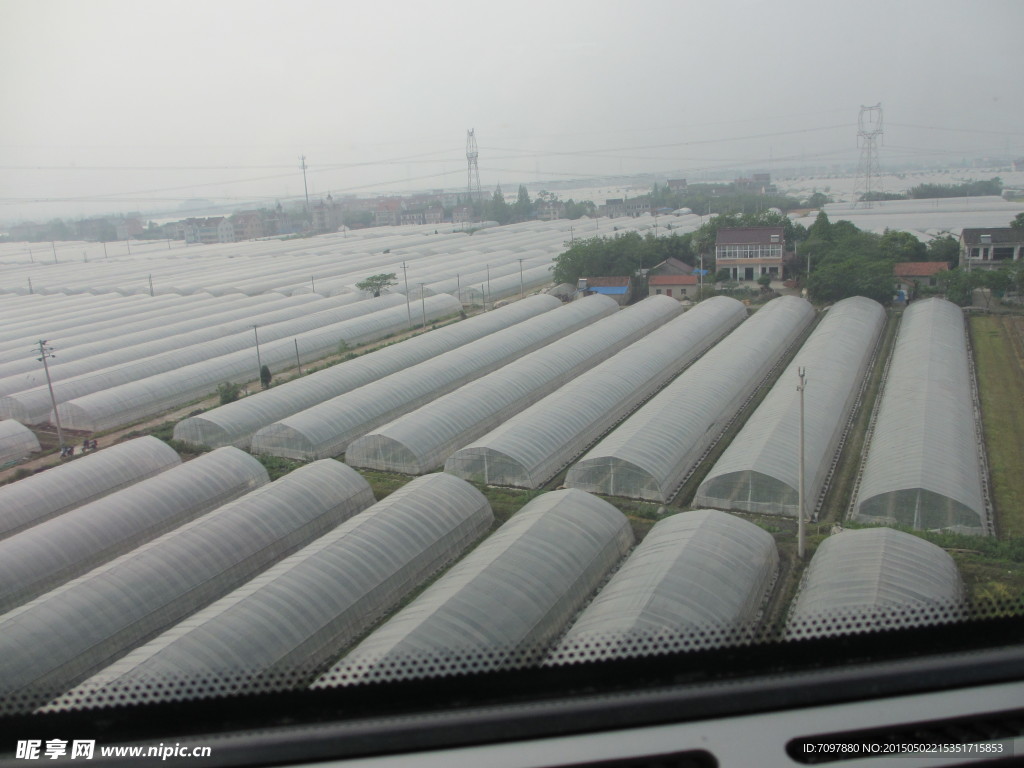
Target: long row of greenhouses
[(79, 318), (649, 455), (923, 466), (146, 397), (37, 498), (34, 405), (327, 429), (98, 342), (236, 423), (60, 549), (312, 606), (759, 471), (529, 448), (212, 319), (45, 647), (421, 441)]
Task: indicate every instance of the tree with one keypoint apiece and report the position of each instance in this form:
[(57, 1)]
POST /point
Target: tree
[(574, 210), (818, 199), (945, 248), (902, 246), (852, 276), (821, 229), (523, 208), (376, 284), (623, 254), (1018, 221), (497, 209), (228, 392), (958, 286), (723, 276), (357, 219), (265, 377), (998, 282)]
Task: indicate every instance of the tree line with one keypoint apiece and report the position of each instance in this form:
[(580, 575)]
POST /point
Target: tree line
[(993, 186)]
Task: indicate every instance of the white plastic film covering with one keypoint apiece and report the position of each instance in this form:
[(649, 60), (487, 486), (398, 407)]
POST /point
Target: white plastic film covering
[(235, 423), (140, 399), (308, 609), (421, 441), (16, 441), (46, 647), (128, 344), (51, 553), (695, 578), (328, 429), (759, 471), (530, 448), (28, 321), (39, 497), (922, 468), (84, 326), (873, 572), (34, 405), (511, 595), (648, 456)]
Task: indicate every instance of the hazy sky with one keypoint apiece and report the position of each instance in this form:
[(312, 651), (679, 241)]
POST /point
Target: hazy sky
[(123, 105)]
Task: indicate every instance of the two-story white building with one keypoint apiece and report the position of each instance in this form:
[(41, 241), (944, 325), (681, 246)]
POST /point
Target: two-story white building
[(749, 252), (989, 248)]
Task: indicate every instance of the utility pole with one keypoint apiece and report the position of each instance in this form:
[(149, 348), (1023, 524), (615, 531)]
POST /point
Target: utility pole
[(521, 291), (408, 308), (458, 287), (306, 188), (52, 245), (44, 353), (151, 284), (488, 286), (423, 304), (30, 286), (700, 290), (298, 362), (800, 532)]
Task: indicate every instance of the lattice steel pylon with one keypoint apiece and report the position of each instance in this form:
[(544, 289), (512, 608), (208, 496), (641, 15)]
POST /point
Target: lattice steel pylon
[(473, 170), (869, 132)]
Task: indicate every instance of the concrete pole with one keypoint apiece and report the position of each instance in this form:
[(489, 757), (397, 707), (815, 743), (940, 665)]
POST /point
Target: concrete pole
[(800, 532)]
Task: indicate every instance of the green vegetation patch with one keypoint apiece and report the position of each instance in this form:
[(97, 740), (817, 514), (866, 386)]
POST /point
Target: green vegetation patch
[(998, 342), (384, 483), (276, 466)]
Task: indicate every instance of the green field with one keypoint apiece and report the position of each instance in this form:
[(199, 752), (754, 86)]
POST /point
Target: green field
[(998, 342)]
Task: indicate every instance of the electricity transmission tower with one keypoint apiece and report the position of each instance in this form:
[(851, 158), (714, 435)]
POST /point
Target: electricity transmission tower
[(869, 132), (306, 188), (473, 170)]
